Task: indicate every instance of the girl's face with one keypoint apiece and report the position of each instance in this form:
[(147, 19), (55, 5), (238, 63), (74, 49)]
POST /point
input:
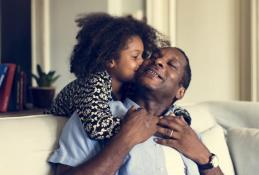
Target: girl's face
[(130, 59)]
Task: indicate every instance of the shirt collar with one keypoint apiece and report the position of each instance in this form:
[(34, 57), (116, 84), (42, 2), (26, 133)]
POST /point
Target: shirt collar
[(128, 103)]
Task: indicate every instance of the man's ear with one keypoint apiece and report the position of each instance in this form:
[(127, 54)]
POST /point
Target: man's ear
[(180, 93)]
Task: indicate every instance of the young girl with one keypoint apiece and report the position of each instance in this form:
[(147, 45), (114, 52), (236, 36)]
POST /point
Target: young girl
[(108, 52)]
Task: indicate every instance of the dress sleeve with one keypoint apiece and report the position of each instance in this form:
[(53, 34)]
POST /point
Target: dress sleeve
[(180, 111), (93, 108), (62, 104)]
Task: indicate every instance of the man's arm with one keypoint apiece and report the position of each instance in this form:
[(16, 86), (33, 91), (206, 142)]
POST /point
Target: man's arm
[(178, 134), (137, 127), (106, 162)]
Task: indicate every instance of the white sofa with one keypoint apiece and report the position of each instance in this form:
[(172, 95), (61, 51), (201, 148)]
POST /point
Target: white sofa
[(27, 141)]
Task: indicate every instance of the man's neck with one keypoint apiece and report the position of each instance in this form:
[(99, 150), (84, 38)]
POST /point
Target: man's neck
[(154, 104)]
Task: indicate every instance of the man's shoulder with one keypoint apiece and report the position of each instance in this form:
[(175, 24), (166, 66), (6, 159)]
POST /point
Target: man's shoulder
[(73, 125), (118, 108)]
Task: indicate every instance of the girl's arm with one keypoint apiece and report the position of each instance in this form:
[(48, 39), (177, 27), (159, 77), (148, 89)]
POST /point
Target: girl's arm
[(93, 108)]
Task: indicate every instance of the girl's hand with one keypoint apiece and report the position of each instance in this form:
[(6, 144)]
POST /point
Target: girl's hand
[(138, 126)]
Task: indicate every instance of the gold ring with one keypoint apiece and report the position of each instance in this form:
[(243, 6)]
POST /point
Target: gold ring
[(171, 133)]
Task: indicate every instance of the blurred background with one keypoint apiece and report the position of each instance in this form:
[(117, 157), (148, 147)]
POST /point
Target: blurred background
[(220, 37)]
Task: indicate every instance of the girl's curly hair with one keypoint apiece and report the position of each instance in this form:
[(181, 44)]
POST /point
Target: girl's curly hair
[(101, 38)]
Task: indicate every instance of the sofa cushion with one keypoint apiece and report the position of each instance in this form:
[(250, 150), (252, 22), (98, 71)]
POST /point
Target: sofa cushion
[(215, 141), (36, 136), (244, 149)]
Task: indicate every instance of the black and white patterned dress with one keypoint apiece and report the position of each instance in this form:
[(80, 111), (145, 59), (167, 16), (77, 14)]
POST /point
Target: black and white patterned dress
[(89, 97)]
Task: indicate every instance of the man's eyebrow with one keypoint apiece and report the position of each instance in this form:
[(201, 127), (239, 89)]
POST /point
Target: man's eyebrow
[(173, 58)]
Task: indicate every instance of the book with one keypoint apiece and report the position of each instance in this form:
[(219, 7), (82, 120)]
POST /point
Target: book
[(22, 90), (18, 93), (15, 91), (3, 70), (5, 91)]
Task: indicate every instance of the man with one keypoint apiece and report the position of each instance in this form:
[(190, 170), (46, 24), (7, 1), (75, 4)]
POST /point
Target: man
[(134, 150)]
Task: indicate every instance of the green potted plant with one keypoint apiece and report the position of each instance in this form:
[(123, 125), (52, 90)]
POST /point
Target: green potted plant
[(42, 96)]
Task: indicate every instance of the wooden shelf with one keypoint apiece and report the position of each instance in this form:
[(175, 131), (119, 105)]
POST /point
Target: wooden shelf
[(34, 111)]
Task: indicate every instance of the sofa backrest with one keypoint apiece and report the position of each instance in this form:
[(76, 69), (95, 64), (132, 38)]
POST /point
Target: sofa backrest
[(212, 134), (231, 121), (26, 143), (234, 114)]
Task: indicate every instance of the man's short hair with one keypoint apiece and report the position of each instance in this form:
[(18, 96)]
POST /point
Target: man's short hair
[(186, 79)]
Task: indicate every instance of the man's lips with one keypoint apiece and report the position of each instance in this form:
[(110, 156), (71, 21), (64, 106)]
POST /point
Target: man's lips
[(154, 72)]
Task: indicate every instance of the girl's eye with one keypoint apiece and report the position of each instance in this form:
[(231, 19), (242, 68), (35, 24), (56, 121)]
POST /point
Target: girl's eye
[(135, 57)]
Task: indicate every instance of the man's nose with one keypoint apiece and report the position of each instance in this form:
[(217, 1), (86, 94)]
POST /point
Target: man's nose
[(159, 62)]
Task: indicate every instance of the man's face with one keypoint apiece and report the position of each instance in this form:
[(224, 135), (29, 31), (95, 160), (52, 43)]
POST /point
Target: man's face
[(163, 75)]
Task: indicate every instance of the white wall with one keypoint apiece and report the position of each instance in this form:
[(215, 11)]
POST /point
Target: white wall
[(126, 7), (63, 31), (209, 32), (214, 34)]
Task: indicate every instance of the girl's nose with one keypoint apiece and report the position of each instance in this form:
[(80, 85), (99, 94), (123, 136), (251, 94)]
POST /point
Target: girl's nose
[(140, 61)]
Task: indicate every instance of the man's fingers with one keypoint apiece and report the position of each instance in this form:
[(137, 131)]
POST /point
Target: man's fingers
[(167, 133), (171, 124), (183, 120), (174, 119), (167, 142), (171, 115)]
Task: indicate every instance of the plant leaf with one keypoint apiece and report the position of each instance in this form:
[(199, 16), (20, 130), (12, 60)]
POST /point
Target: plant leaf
[(45, 79), (51, 73), (39, 70), (55, 79)]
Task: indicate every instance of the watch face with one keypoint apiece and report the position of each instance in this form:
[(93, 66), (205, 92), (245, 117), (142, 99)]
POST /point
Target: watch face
[(215, 161)]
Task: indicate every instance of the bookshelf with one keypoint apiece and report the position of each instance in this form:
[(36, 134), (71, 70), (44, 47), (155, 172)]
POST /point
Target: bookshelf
[(34, 111), (15, 36)]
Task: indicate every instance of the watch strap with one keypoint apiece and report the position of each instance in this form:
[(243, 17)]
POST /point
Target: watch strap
[(208, 165)]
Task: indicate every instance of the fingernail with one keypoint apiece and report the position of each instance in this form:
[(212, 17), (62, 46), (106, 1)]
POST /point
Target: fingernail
[(138, 109), (155, 139)]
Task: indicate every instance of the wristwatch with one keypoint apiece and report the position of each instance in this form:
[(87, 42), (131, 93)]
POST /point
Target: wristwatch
[(213, 163)]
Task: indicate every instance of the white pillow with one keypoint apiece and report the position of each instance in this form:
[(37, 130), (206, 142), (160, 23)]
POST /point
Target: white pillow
[(215, 141), (244, 149)]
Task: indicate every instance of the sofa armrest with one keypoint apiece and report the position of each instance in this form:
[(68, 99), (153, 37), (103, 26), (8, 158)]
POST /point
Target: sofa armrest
[(244, 149), (26, 143)]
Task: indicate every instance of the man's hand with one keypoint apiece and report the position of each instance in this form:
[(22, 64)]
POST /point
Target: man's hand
[(138, 126), (178, 134)]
